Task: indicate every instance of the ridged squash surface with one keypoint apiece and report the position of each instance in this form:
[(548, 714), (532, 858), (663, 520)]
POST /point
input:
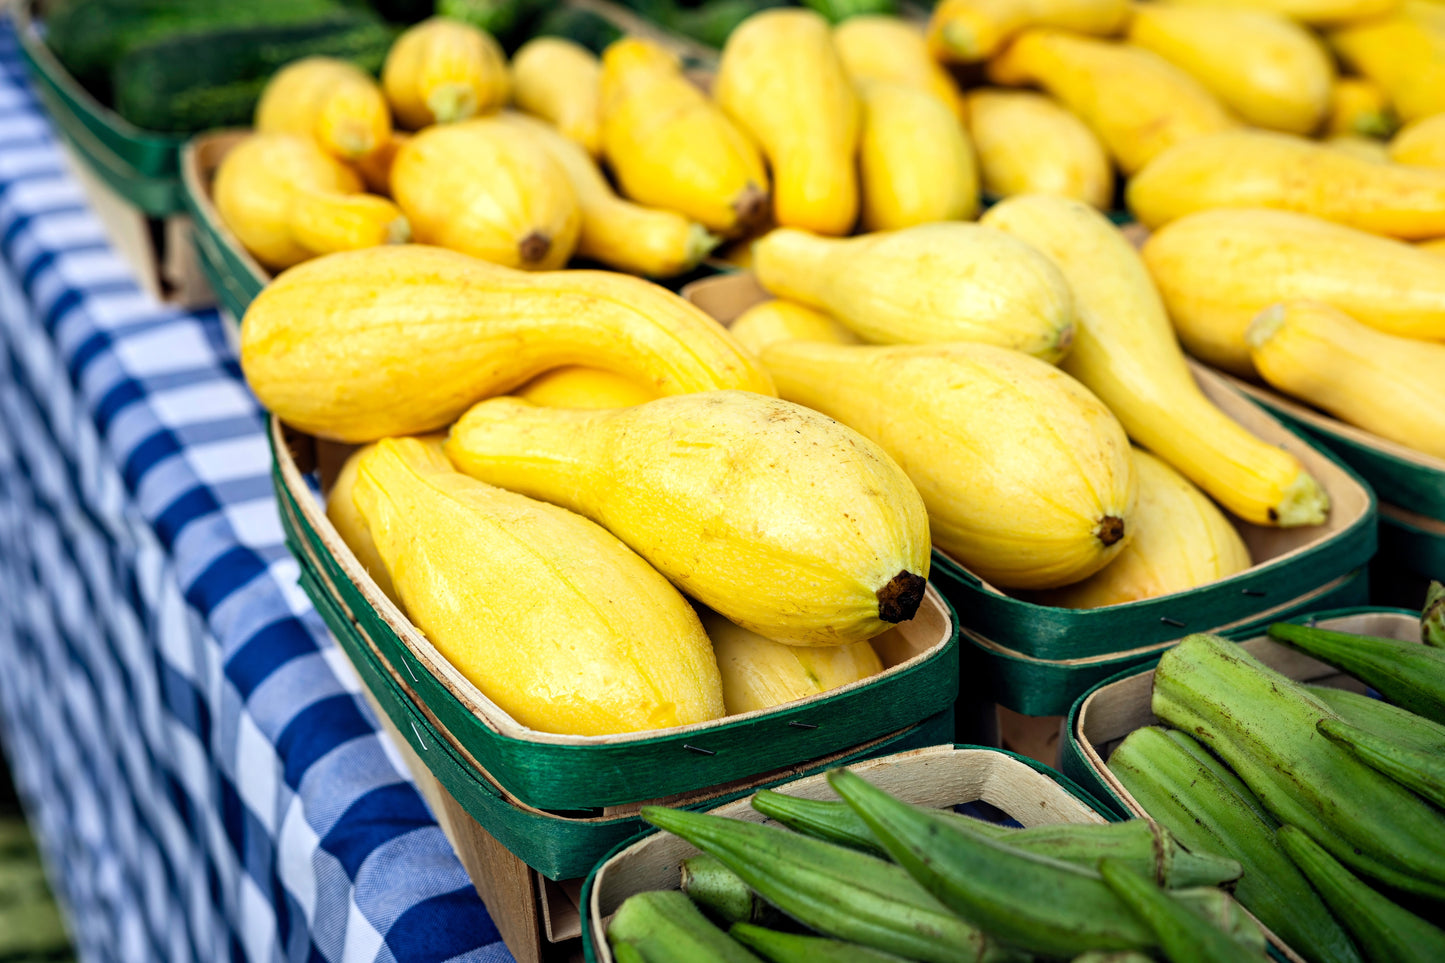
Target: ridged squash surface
[(486, 189), (1264, 67), (623, 235), (577, 386), (1027, 143), (1258, 168), (287, 201), (781, 79), (1379, 382), (670, 146), (561, 82), (1181, 541), (758, 673), (914, 160), (1404, 53), (1137, 102), (558, 623), (878, 47), (441, 71), (1217, 269), (334, 101), (778, 320), (965, 31), (1026, 474), (323, 349), (1421, 142), (1127, 354), (929, 284), (777, 517)]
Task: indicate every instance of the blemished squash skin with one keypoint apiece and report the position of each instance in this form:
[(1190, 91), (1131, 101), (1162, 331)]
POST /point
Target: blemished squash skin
[(877, 47), (775, 516), (672, 147), (915, 162), (781, 79), (967, 31), (1181, 541), (1267, 69), (1217, 269), (486, 189), (558, 623), (287, 201), (561, 82), (1137, 102), (1027, 143), (1258, 168), (1025, 473), (336, 102), (929, 284), (441, 71), (629, 237), (759, 673), (1127, 354), (1379, 382), (322, 348)]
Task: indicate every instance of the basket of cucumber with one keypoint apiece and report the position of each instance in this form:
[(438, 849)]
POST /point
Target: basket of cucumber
[(842, 865), (1272, 752)]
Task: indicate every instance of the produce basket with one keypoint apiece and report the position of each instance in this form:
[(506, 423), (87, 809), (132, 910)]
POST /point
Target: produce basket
[(1040, 658), (234, 274), (937, 776), (1102, 717), (559, 772)]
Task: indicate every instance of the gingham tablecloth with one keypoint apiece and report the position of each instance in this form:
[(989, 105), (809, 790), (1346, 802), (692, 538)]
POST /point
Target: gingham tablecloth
[(204, 778)]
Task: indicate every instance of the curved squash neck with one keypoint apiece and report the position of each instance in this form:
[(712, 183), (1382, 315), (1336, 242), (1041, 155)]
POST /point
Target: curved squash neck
[(544, 453)]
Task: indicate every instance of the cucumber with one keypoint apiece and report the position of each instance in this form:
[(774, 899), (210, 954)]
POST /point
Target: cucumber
[(836, 11), (504, 19), (584, 27), (90, 36), (166, 86)]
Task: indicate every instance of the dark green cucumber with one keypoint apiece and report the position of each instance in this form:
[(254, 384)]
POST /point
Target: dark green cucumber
[(166, 86), (90, 36), (1423, 772), (1410, 675), (838, 892), (714, 22), (797, 948), (1432, 618), (1386, 932), (665, 926), (836, 11), (1378, 716), (1184, 935), (1142, 844), (1041, 905), (1207, 813), (503, 19), (584, 27), (1262, 724)]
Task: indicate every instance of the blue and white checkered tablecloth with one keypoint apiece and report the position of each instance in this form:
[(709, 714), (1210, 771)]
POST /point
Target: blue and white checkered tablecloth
[(206, 782)]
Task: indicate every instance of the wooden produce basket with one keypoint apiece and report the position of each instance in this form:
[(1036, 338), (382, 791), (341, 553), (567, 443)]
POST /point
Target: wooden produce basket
[(1102, 717), (938, 776), (130, 176), (234, 274), (552, 771), (1039, 658)]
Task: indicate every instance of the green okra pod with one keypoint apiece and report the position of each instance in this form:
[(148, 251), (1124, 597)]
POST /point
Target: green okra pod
[(1385, 931), (1421, 771), (838, 892), (1388, 721), (1411, 676), (1038, 904), (1432, 618), (1262, 724), (664, 926), (1186, 791), (797, 948), (1184, 935)]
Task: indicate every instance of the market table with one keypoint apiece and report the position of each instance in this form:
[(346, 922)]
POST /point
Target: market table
[(194, 753)]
